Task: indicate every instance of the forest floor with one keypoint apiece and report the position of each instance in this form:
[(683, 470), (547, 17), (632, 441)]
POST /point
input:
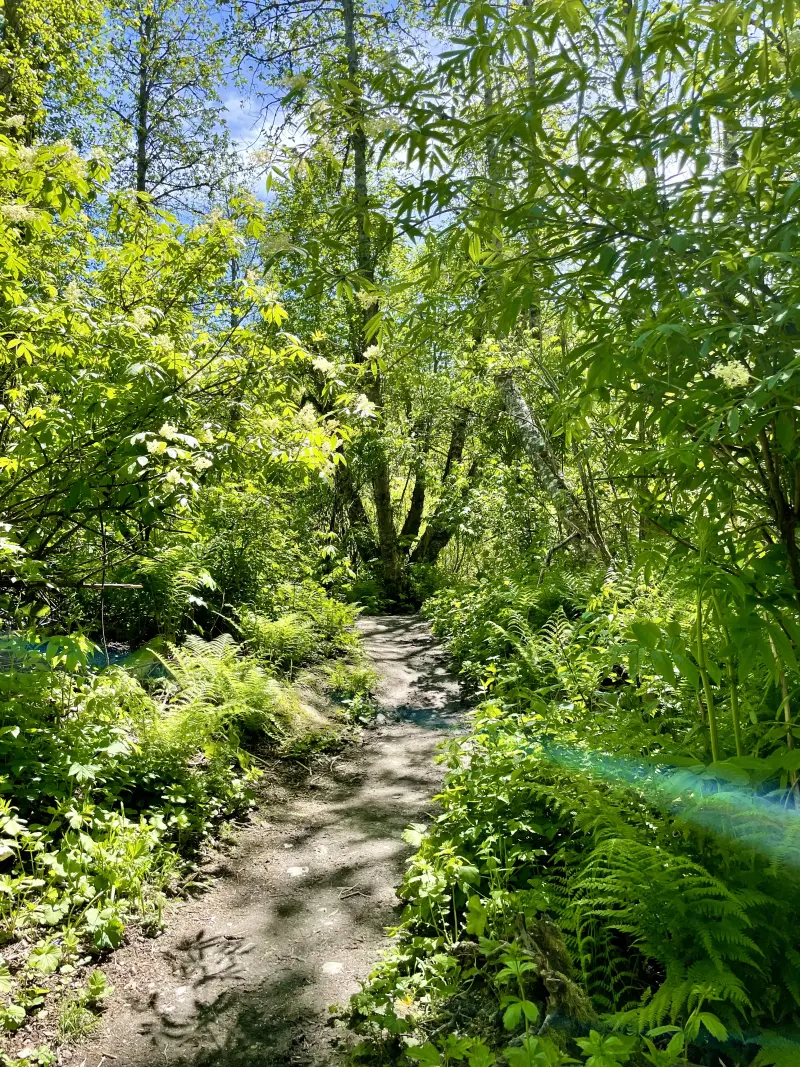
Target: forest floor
[(296, 908)]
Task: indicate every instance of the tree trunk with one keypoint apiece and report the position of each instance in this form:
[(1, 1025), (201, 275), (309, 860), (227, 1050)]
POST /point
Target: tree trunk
[(348, 504), (537, 447), (143, 103), (441, 529), (416, 508), (784, 512), (391, 555)]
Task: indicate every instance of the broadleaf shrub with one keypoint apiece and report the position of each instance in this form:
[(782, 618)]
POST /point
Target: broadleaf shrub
[(584, 831)]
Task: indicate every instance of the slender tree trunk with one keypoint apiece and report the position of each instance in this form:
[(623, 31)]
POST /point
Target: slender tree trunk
[(568, 508), (640, 95), (143, 103), (358, 146), (784, 511), (440, 529), (416, 508), (711, 711), (391, 555)]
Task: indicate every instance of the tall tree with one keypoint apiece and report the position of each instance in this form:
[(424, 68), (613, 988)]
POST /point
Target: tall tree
[(45, 54), (162, 95)]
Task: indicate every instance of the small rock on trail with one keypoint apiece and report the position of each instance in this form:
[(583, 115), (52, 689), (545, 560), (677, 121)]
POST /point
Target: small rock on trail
[(245, 974)]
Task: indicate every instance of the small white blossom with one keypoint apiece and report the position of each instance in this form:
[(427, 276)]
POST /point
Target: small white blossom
[(294, 81), (68, 152), (371, 353), (141, 318), (156, 447), (202, 463), (324, 366), (17, 213), (14, 122), (364, 407), (72, 293), (168, 432), (173, 478), (367, 298), (99, 155), (164, 342), (5, 151), (733, 375), (27, 157), (380, 127)]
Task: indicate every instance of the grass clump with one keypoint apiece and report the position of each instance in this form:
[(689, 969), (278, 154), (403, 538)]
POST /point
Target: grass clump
[(347, 679), (78, 1014)]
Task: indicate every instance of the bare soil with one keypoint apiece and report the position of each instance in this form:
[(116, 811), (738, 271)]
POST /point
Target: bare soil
[(296, 913)]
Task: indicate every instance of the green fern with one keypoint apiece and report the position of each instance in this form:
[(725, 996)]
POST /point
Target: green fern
[(218, 696), (777, 1051)]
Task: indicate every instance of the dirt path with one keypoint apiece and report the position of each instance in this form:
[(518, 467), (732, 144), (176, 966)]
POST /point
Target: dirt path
[(245, 974)]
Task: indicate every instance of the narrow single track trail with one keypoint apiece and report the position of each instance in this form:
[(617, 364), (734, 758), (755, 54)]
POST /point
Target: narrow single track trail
[(296, 911)]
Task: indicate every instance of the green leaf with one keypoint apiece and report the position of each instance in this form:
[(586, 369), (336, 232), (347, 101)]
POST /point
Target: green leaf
[(476, 916), (426, 1053), (480, 1056), (713, 1025), (45, 958), (512, 1015)]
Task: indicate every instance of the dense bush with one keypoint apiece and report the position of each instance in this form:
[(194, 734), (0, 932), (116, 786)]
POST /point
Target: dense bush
[(586, 841), (311, 624), (111, 782)]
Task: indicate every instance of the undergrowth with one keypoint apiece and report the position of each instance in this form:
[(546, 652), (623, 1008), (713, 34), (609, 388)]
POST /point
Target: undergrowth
[(595, 889), (110, 783)]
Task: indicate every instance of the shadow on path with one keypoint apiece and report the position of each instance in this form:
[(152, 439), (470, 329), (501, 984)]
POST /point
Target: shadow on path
[(246, 973)]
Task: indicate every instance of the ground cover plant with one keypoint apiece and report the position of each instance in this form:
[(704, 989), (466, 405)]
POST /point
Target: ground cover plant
[(497, 312), (110, 786), (594, 874)]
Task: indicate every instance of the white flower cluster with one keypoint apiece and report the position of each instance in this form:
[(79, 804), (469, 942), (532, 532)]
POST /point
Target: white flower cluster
[(294, 81), (164, 342), (72, 293), (324, 366), (363, 407), (371, 353), (367, 298), (14, 122), (27, 157), (141, 318), (173, 477), (168, 432), (733, 375), (17, 213), (202, 463), (380, 127)]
